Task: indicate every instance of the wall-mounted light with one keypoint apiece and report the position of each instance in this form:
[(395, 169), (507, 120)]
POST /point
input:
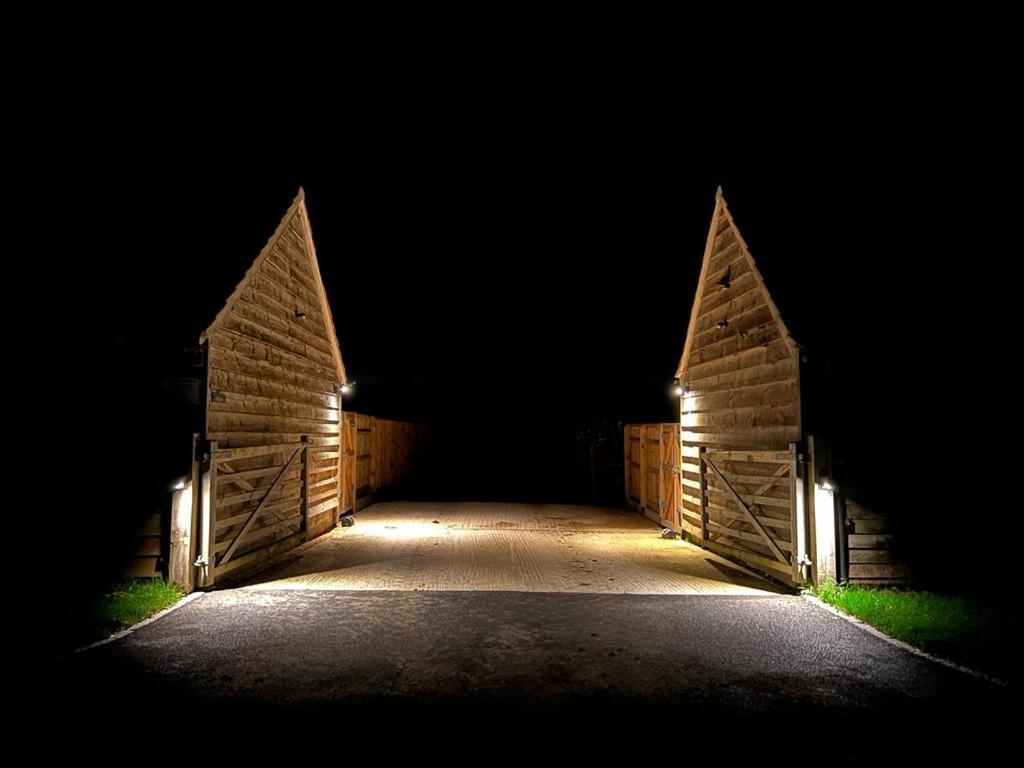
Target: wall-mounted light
[(300, 314), (180, 485), (680, 389), (346, 388), (722, 324), (827, 484)]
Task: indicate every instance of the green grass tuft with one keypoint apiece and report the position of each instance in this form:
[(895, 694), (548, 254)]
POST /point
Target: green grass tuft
[(132, 601), (940, 624)]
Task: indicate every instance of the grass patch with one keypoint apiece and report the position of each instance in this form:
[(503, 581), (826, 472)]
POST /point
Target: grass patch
[(131, 601), (947, 625)]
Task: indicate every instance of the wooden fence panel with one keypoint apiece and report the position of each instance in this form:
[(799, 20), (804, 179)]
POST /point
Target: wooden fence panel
[(870, 555)]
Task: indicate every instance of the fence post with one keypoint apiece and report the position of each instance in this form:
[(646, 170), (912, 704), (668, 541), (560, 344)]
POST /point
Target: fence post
[(703, 498), (183, 528), (812, 523), (305, 483), (208, 513), (794, 503)]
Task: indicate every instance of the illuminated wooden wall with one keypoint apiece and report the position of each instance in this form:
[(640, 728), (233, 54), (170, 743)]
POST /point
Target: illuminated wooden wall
[(740, 371)]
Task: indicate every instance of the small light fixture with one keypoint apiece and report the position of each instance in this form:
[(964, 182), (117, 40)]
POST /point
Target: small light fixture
[(743, 334), (180, 485), (827, 484), (300, 314), (680, 389), (346, 388), (722, 324)]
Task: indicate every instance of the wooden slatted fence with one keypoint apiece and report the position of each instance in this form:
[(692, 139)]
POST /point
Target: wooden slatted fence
[(871, 559)]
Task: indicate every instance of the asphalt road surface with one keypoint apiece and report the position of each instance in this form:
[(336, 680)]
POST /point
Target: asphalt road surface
[(771, 679)]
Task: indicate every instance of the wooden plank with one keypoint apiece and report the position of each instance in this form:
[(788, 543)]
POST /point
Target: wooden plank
[(794, 512), (279, 507), (869, 541), (879, 570), (230, 476), (142, 567), (235, 439), (742, 537), (305, 485), (289, 486), (263, 554), (145, 545), (210, 530), (871, 525), (323, 506), (703, 500), (234, 370), (752, 457), (286, 305), (231, 454), (769, 541), (246, 403), (761, 501), (872, 556), (284, 322), (221, 421), (771, 566), (268, 529), (235, 341), (782, 526)]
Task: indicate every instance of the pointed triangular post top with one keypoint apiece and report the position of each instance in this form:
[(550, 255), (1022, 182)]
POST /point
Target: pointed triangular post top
[(292, 235), (725, 253)]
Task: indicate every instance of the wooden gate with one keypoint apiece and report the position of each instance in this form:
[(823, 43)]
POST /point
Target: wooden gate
[(349, 432), (261, 500), (749, 508), (669, 476), (652, 471)]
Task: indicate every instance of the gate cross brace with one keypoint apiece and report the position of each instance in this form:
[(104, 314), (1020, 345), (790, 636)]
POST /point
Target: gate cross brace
[(255, 513), (750, 515)]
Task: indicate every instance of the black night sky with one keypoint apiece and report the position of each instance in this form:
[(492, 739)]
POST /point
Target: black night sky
[(514, 275)]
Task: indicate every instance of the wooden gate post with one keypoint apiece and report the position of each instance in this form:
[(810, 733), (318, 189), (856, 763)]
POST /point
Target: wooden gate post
[(208, 513), (703, 498), (796, 511), (305, 482), (184, 529)]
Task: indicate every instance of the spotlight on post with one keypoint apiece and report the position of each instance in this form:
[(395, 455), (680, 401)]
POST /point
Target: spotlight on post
[(346, 389)]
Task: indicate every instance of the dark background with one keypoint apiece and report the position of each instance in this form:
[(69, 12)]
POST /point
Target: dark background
[(518, 272)]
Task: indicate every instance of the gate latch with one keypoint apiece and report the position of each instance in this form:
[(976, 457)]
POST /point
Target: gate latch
[(201, 561)]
